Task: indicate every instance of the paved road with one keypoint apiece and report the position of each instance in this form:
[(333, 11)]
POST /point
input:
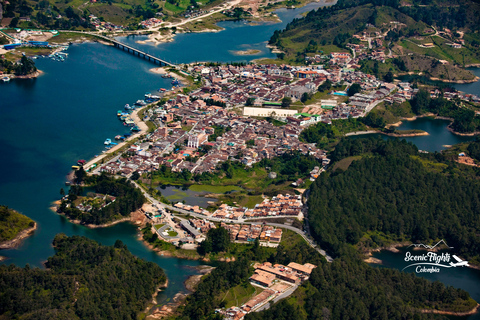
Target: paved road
[(275, 300), (308, 239)]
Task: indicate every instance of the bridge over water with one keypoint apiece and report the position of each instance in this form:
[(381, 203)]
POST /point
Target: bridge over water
[(129, 49)]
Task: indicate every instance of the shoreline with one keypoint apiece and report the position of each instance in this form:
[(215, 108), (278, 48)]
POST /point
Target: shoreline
[(452, 313), (15, 242), (397, 135), (143, 130), (436, 117), (34, 75), (421, 74), (93, 226)]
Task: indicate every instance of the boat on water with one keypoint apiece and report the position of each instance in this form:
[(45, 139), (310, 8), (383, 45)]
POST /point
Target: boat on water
[(162, 89), (81, 162), (119, 137), (107, 142), (127, 107), (151, 96), (166, 76), (5, 79), (135, 129), (175, 82), (141, 103)]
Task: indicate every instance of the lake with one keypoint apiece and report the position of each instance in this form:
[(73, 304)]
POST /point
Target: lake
[(472, 88), (439, 136), (221, 46)]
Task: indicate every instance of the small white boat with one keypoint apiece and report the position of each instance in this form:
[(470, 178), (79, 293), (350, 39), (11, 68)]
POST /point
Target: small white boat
[(5, 79), (107, 142)]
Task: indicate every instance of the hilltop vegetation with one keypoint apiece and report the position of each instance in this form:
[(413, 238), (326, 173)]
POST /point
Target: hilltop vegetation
[(11, 223), (84, 280), (73, 14), (395, 193)]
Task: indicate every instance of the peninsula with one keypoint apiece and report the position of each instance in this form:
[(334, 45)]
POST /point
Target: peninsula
[(14, 227)]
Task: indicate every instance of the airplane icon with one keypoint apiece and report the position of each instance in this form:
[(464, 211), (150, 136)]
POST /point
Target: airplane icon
[(459, 263)]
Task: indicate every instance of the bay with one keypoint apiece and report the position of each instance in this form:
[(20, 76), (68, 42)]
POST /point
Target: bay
[(472, 88)]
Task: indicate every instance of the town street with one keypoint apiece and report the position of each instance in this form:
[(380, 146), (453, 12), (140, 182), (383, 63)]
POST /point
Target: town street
[(168, 217)]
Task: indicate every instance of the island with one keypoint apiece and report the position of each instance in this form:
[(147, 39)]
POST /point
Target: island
[(14, 227)]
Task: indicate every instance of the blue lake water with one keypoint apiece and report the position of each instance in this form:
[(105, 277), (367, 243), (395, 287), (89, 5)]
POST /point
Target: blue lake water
[(439, 137), (221, 46), (459, 277), (472, 88)]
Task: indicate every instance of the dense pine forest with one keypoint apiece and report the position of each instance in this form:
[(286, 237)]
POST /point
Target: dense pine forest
[(83, 280), (128, 199), (393, 192)]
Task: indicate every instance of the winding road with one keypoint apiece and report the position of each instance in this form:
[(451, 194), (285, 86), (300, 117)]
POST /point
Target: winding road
[(303, 234)]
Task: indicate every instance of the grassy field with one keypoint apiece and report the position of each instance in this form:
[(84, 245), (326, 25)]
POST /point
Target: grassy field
[(11, 223), (442, 50), (393, 113), (345, 163), (240, 294), (64, 37)]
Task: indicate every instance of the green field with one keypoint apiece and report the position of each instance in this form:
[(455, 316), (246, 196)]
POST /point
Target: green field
[(240, 294)]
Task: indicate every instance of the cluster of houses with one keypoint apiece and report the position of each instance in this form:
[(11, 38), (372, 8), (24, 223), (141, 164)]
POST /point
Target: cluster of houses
[(197, 228), (245, 139), (104, 25), (276, 279), (265, 84), (246, 232), (150, 23), (281, 205), (449, 95), (98, 201)]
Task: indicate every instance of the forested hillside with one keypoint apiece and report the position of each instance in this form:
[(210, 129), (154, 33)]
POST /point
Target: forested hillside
[(394, 192), (83, 280)]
